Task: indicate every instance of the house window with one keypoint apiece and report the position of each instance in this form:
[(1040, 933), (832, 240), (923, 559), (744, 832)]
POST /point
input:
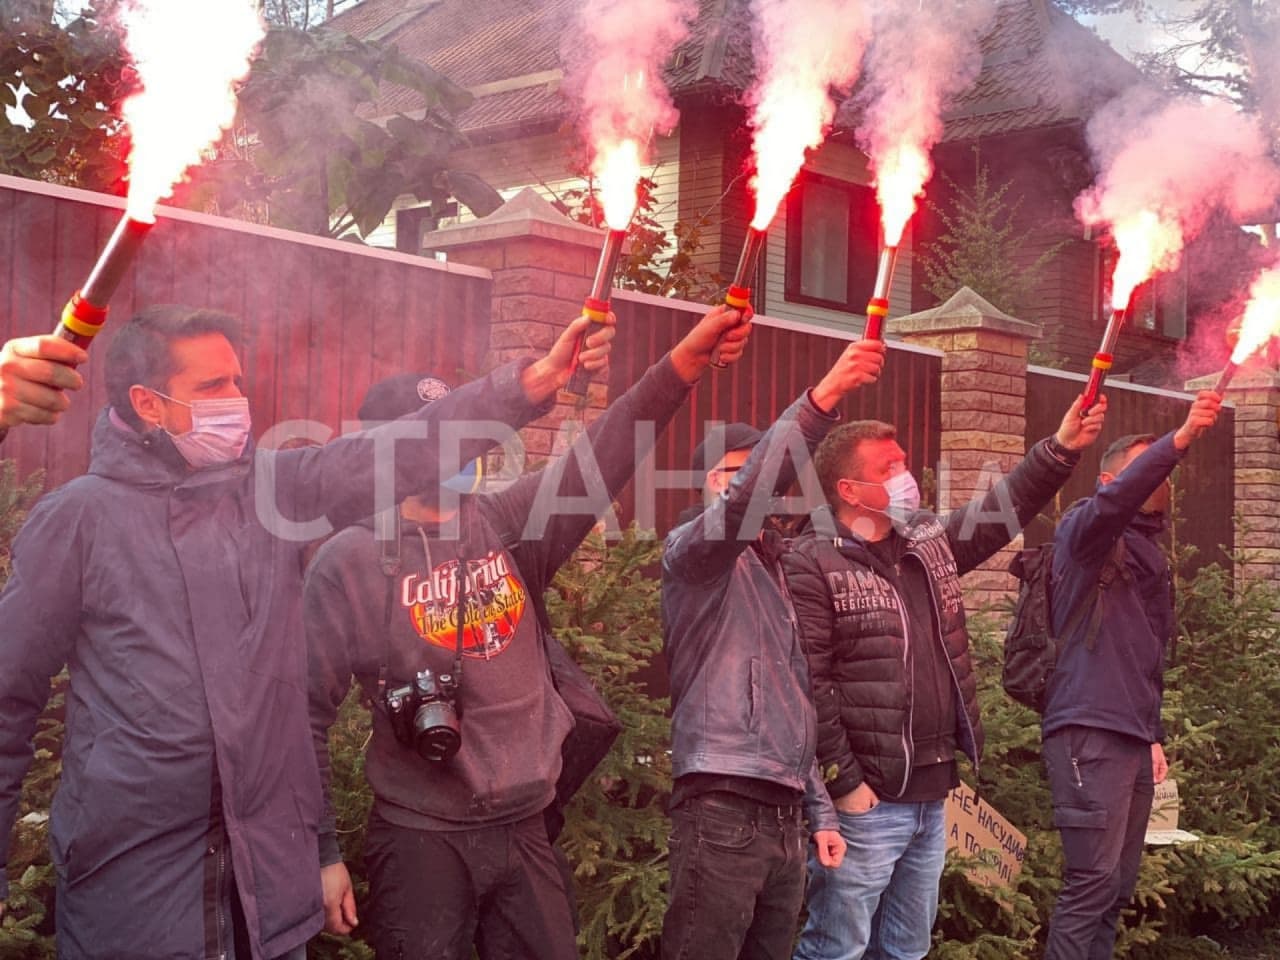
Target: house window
[(832, 238), (1158, 306)]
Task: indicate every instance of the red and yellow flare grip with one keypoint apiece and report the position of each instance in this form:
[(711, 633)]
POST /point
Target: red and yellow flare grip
[(877, 310), (1102, 361), (596, 306), (738, 295), (81, 321), (878, 305), (86, 311), (1224, 378)]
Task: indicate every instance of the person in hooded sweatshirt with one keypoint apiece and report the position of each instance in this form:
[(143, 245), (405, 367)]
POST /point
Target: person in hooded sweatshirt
[(876, 582), (1102, 739), (458, 848), (169, 581), (35, 373)]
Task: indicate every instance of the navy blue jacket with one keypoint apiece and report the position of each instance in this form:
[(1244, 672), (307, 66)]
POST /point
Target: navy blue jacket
[(178, 611), (1117, 685)]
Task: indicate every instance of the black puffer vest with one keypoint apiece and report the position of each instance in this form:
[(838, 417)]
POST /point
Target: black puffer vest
[(853, 625)]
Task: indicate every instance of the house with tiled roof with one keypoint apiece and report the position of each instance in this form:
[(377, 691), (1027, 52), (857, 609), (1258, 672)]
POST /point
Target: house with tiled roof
[(1042, 76)]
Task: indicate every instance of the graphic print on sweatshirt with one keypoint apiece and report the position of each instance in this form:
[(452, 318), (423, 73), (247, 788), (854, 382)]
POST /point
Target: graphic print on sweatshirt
[(496, 602)]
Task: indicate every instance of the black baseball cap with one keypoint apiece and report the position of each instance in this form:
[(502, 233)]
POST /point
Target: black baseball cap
[(722, 439), (407, 393), (398, 396)]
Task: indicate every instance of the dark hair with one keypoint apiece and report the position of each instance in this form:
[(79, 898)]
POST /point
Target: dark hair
[(1112, 456), (837, 455), (142, 350)]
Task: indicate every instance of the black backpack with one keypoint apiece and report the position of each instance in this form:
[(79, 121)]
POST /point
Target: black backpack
[(1030, 646)]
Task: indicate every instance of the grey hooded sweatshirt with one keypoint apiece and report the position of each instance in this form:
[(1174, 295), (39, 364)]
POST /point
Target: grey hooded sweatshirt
[(513, 721)]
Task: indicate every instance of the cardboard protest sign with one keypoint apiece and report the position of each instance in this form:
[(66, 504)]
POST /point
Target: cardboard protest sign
[(1162, 825), (979, 831)]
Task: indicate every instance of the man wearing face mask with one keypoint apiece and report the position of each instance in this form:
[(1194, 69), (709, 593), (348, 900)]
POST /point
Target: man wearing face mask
[(876, 583), (186, 821), (1102, 735)]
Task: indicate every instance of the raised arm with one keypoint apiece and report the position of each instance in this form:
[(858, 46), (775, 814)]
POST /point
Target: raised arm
[(604, 458), (990, 521), (1089, 532), (707, 546), (35, 373)]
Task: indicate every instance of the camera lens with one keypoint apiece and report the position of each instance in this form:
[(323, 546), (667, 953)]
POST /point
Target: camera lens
[(436, 732)]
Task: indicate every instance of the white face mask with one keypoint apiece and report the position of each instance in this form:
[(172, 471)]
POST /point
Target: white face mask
[(219, 431), (904, 497)]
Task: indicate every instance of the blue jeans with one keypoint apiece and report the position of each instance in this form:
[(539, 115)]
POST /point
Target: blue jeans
[(882, 900)]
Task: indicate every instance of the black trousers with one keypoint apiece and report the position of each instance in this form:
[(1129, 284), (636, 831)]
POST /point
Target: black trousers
[(737, 879), (1102, 790), (434, 893)]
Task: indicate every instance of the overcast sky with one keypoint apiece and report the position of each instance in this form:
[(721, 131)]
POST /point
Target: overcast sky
[(1129, 35)]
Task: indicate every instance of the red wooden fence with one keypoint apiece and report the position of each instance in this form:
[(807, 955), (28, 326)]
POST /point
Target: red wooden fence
[(782, 360), (321, 319)]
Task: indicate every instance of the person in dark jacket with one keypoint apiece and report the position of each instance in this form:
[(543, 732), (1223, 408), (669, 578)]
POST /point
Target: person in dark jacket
[(35, 372), (186, 822), (876, 583), (742, 725), (1102, 736), (457, 847)]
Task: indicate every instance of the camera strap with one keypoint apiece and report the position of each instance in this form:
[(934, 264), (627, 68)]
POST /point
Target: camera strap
[(462, 615), (461, 575), (386, 527)]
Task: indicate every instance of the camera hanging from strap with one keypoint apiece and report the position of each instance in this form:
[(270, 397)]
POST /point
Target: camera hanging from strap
[(390, 562)]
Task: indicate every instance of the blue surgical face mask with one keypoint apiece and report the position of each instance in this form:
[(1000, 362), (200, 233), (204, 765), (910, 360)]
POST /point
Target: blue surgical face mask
[(219, 431)]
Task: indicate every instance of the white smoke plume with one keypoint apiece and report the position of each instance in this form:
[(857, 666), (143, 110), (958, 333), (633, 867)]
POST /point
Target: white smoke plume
[(614, 58), (1166, 165), (803, 49), (188, 88), (923, 54)]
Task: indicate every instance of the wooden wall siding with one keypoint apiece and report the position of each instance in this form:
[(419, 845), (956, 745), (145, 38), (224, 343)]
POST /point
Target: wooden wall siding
[(320, 319), (1045, 171), (782, 361), (1205, 479), (706, 172)]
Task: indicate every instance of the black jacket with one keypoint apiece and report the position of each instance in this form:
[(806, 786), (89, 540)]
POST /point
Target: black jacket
[(739, 686), (853, 626)]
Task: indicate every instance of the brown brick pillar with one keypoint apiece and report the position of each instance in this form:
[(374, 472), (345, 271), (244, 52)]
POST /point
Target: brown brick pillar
[(984, 393), (1256, 396), (542, 265)]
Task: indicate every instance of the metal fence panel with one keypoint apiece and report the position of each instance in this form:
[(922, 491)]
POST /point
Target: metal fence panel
[(1205, 481)]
